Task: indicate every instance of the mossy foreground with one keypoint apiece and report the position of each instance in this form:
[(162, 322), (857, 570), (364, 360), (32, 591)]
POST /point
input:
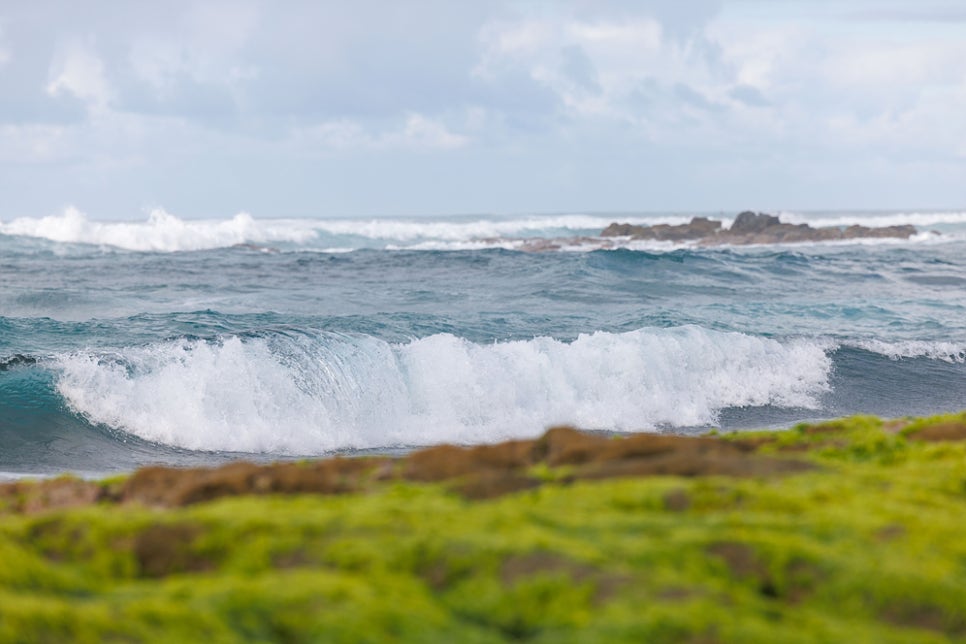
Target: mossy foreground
[(850, 531)]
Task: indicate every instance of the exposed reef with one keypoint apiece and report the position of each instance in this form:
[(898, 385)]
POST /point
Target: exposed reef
[(752, 228)]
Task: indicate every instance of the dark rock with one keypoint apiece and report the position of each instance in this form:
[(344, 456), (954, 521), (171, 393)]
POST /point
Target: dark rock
[(621, 230), (697, 228), (858, 232), (752, 228), (748, 222), (942, 432), (166, 549)]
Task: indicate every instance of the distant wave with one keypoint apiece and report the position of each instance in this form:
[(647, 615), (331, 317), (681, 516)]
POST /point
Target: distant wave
[(945, 351), (164, 232), (310, 394), (918, 219), (161, 232)]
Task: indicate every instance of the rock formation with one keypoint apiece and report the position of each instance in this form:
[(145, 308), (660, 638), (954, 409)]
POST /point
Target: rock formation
[(752, 228)]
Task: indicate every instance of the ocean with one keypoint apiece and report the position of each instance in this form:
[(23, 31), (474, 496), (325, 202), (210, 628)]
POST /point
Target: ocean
[(193, 342)]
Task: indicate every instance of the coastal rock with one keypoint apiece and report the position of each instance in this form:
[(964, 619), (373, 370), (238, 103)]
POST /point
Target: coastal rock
[(857, 232), (697, 228), (752, 228), (749, 223)]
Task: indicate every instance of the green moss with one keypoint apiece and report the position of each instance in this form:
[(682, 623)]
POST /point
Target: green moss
[(871, 546)]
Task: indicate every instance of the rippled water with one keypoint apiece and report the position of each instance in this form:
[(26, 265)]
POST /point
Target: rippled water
[(185, 342)]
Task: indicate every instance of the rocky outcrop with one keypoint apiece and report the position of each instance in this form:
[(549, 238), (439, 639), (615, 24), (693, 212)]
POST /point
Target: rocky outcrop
[(698, 228), (752, 228), (481, 472)]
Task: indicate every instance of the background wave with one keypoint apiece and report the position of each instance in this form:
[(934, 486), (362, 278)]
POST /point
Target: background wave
[(164, 232)]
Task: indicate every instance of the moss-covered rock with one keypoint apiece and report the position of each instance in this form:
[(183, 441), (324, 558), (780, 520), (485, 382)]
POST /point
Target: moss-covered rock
[(851, 530)]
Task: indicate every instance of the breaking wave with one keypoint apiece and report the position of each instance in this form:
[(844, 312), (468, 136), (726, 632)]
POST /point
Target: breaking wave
[(945, 351), (161, 232), (311, 394)]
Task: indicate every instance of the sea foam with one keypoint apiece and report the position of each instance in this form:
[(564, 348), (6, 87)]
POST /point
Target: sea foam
[(312, 394), (946, 351), (164, 232), (161, 232)]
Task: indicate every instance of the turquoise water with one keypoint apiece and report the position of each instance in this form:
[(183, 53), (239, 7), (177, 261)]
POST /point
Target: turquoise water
[(193, 342)]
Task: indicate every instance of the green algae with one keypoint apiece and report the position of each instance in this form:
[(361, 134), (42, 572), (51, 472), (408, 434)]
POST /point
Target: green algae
[(868, 546)]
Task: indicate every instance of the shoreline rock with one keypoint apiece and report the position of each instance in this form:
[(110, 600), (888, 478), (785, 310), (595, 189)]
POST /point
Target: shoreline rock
[(478, 472), (753, 228)]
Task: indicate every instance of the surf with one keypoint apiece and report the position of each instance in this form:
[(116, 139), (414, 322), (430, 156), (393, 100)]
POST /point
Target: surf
[(295, 393)]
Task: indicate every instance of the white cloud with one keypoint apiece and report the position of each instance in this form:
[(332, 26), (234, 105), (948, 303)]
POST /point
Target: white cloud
[(4, 53), (887, 64), (423, 132), (29, 144), (79, 71), (417, 132), (206, 47), (630, 84)]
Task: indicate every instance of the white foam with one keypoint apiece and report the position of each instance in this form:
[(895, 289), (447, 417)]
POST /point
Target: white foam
[(161, 232), (918, 219), (945, 351), (311, 395)]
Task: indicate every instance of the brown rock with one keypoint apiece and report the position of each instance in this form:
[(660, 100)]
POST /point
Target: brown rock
[(61, 493), (165, 549), (858, 232), (621, 230), (940, 432), (698, 228), (476, 472), (752, 228), (168, 486), (749, 223)]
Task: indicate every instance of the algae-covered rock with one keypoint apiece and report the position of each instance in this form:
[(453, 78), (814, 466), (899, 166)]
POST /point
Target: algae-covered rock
[(848, 530)]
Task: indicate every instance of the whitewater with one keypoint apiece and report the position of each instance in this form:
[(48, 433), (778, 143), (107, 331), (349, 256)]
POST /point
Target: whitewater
[(170, 340)]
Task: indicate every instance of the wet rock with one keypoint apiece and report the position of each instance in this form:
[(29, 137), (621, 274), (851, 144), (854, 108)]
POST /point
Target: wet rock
[(940, 432), (859, 232), (29, 497), (752, 228), (169, 486), (698, 228), (749, 223)]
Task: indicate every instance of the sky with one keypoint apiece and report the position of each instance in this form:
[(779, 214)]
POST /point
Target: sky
[(367, 109)]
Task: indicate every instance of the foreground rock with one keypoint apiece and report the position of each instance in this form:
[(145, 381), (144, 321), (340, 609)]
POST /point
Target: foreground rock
[(485, 471), (843, 531), (752, 228)]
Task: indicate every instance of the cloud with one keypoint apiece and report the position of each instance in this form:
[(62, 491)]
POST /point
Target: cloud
[(31, 144), (942, 12), (4, 53), (749, 96), (77, 70), (553, 98), (416, 132)]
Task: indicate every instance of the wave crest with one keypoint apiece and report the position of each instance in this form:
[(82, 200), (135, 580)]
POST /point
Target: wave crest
[(303, 394), (161, 232)]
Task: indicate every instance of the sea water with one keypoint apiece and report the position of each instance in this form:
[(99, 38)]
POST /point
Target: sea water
[(178, 341)]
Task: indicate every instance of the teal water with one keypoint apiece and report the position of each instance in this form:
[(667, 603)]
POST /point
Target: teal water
[(193, 342)]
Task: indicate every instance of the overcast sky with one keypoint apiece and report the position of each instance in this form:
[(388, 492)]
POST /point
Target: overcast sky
[(369, 108)]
